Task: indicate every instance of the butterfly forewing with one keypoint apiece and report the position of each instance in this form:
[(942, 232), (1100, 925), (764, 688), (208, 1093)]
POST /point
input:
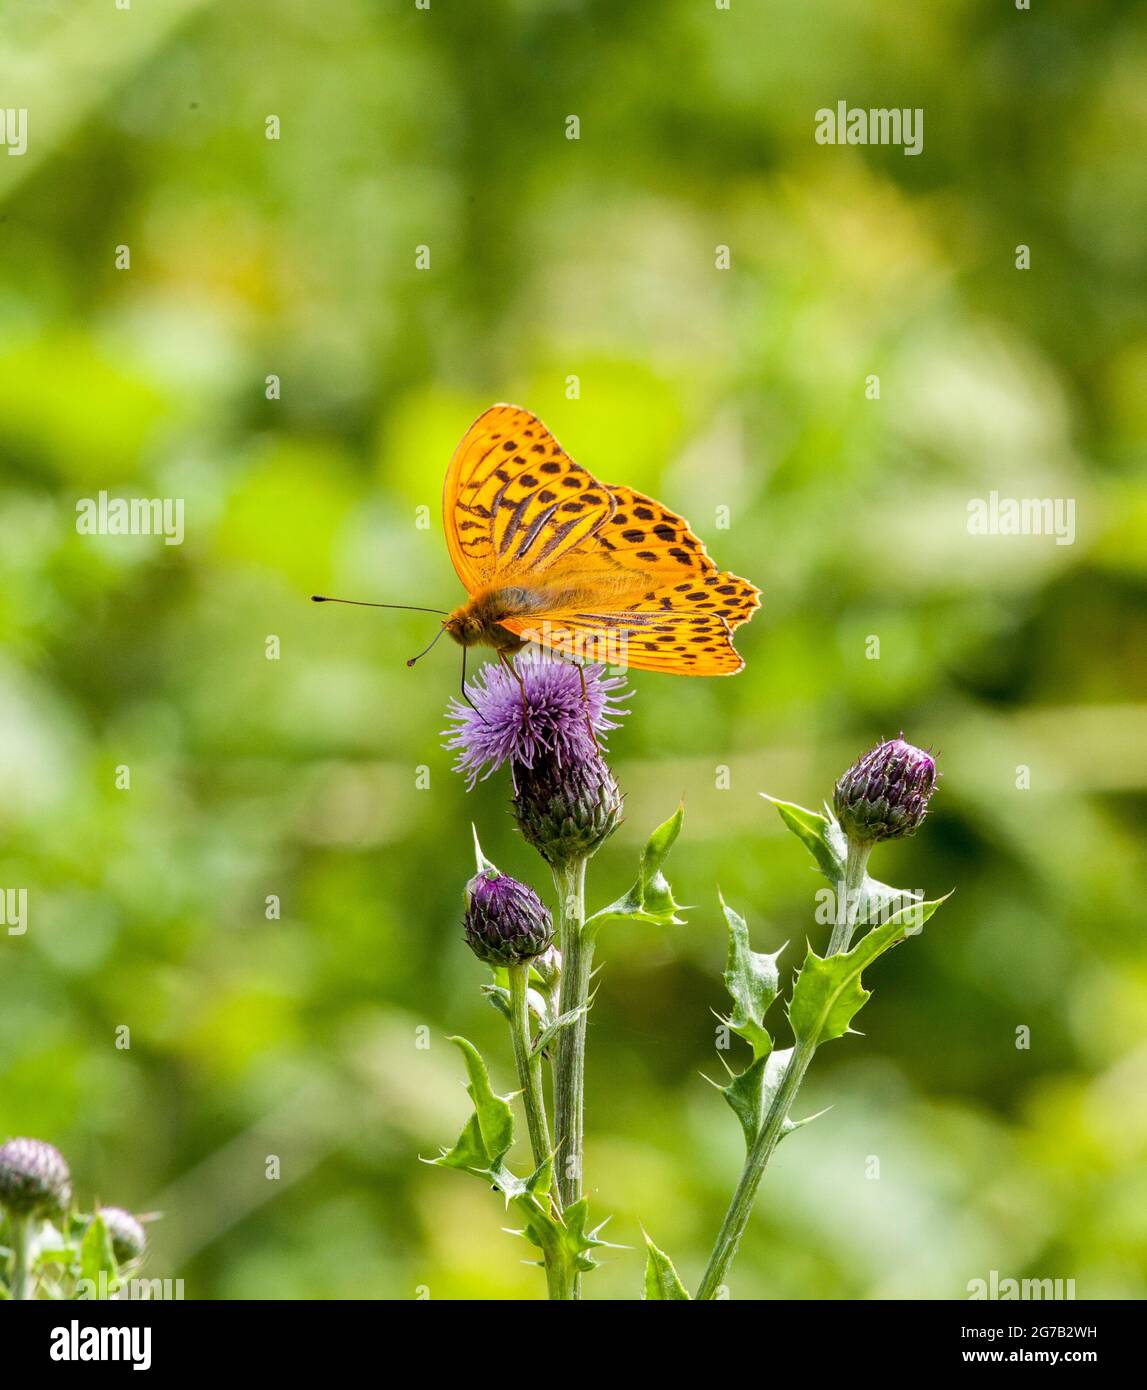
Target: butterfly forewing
[(515, 502)]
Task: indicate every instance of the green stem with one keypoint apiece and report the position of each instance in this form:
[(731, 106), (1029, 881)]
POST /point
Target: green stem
[(529, 1064), (569, 1052), (741, 1207), (848, 896), (21, 1280)]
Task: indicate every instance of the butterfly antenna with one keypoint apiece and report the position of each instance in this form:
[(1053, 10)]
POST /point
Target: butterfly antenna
[(358, 603), (422, 653)]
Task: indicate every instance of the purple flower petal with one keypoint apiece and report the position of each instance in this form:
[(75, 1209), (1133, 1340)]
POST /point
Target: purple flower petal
[(544, 714)]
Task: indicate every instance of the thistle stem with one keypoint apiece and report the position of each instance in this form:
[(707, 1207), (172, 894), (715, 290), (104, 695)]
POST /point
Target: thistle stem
[(569, 1058), (21, 1281), (741, 1206), (848, 896), (529, 1064)]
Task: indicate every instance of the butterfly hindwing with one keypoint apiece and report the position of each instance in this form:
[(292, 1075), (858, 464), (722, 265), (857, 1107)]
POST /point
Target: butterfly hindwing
[(684, 628)]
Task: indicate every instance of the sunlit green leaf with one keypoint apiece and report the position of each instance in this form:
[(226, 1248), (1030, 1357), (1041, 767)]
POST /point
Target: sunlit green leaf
[(651, 898), (751, 979), (828, 993), (661, 1281), (489, 1132), (96, 1254)]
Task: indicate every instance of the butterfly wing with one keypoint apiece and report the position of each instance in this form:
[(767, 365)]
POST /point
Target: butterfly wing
[(601, 568), (683, 629), (514, 502)]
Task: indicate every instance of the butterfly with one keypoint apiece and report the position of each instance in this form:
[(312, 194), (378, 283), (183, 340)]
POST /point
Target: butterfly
[(549, 554)]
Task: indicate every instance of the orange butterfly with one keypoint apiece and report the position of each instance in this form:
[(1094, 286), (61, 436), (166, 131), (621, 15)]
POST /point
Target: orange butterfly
[(548, 554)]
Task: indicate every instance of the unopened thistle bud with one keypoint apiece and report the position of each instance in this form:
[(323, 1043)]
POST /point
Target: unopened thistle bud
[(567, 810), (885, 794), (34, 1178), (128, 1238), (506, 922)]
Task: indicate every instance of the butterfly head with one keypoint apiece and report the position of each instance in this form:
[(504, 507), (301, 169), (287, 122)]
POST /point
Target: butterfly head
[(479, 623), (466, 627)]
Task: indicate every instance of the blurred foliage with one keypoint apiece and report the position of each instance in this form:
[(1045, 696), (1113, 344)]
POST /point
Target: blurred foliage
[(740, 388)]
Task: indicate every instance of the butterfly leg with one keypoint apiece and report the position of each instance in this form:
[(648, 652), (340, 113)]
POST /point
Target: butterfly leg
[(513, 670), (465, 694), (585, 700)]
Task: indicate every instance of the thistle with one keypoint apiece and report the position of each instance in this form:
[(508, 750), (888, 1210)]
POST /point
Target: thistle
[(505, 922), (34, 1178), (546, 719), (885, 794), (128, 1238)]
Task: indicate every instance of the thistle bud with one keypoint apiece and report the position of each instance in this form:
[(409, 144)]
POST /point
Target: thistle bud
[(885, 794), (34, 1178), (506, 922), (128, 1238), (567, 810)]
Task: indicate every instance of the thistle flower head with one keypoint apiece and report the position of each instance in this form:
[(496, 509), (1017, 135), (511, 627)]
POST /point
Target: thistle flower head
[(885, 794), (541, 712), (567, 810), (128, 1238), (34, 1178), (506, 922)]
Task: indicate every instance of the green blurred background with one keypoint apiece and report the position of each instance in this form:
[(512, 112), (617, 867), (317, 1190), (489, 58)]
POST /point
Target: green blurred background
[(742, 388)]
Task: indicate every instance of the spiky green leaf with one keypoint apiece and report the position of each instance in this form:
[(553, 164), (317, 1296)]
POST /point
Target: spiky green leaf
[(651, 898), (826, 842), (828, 993), (550, 1032), (96, 1254), (750, 1094), (661, 1281), (751, 978), (489, 1131)]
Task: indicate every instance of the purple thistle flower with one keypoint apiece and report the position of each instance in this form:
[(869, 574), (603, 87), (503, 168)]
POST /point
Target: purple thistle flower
[(544, 718), (885, 794)]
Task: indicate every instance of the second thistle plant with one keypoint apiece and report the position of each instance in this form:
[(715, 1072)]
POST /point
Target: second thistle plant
[(547, 720)]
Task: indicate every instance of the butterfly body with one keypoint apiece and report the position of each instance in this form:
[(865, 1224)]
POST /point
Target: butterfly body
[(550, 554), (479, 622)]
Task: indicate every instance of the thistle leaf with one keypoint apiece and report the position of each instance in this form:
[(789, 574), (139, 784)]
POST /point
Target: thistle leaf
[(547, 1035), (489, 1131), (499, 998), (828, 993), (481, 1150), (96, 1254), (651, 898), (751, 979), (825, 841), (814, 831), (661, 1281)]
